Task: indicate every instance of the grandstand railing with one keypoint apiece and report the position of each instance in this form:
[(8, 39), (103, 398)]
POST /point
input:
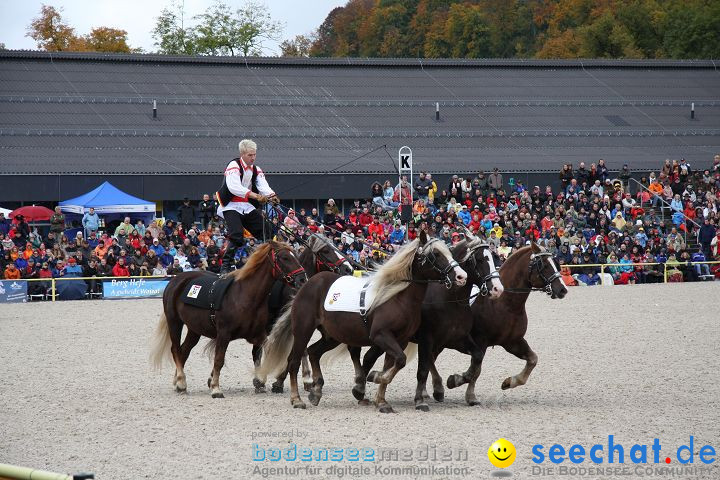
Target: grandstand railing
[(666, 266), (53, 281)]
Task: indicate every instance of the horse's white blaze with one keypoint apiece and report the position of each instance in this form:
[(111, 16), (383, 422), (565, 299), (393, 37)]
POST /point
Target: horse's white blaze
[(496, 283), (552, 264), (344, 260)]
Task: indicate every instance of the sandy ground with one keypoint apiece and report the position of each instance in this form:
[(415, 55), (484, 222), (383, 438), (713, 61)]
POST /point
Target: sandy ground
[(77, 394)]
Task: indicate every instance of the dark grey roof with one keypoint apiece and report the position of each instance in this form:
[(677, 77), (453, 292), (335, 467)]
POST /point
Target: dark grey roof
[(92, 113)]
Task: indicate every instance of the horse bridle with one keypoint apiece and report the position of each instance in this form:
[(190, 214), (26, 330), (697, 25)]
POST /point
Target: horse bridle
[(484, 290), (536, 262), (287, 277), (431, 257)]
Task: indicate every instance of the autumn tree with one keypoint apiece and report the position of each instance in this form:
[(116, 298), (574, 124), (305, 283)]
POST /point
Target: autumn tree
[(298, 46), (170, 34), (522, 28), (50, 31), (53, 34)]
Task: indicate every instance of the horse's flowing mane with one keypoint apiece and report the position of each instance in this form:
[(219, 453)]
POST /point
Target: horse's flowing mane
[(317, 242), (392, 278), (515, 257), (256, 260)]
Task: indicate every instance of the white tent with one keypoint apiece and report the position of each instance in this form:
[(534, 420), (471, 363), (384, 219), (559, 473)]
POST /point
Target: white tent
[(5, 211)]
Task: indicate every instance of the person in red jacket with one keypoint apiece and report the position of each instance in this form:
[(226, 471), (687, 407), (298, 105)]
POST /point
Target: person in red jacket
[(376, 227), (120, 269)]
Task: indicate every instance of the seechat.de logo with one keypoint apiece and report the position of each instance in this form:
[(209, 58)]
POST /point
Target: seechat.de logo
[(613, 452)]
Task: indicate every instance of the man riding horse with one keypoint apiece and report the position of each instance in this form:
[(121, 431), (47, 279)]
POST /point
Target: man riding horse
[(244, 188)]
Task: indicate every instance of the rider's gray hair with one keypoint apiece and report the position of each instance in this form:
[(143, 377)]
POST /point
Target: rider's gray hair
[(246, 146)]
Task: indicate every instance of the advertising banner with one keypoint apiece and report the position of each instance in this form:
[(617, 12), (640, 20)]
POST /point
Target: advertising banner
[(134, 288), (13, 291)]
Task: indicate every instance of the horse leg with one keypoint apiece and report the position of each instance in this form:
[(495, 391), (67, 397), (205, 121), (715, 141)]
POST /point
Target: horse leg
[(315, 351), (191, 339), (394, 361), (278, 384), (361, 370), (520, 349), (214, 381), (306, 373), (175, 328), (424, 361), (257, 359), (437, 381), (477, 353)]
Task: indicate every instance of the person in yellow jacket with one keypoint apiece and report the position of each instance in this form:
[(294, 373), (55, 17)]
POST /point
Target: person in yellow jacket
[(433, 188)]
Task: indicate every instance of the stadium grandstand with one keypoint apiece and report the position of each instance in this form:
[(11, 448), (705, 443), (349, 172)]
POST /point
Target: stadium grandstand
[(330, 127)]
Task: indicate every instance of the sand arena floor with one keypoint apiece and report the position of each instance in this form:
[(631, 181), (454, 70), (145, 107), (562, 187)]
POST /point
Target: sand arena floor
[(77, 394)]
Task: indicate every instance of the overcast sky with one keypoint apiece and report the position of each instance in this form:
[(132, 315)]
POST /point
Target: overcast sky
[(137, 17)]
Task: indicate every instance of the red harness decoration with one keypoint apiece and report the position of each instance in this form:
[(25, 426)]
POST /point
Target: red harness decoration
[(287, 278), (330, 266)]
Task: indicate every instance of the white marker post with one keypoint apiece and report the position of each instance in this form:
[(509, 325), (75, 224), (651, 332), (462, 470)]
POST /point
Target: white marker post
[(405, 168)]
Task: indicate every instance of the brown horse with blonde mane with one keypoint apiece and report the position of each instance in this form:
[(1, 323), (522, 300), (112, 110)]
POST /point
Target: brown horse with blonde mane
[(388, 323), (244, 312)]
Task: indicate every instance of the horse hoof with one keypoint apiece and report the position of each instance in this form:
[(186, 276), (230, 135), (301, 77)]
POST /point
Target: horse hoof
[(422, 407), (358, 394), (386, 408), (364, 402), (473, 403), (180, 390), (299, 405), (308, 386), (454, 381), (439, 396), (260, 389), (218, 395), (277, 388), (314, 398), (506, 383)]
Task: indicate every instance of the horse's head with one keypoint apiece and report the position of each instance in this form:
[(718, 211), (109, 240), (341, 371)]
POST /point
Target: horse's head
[(478, 261), (544, 274), (286, 266), (437, 262), (328, 257)]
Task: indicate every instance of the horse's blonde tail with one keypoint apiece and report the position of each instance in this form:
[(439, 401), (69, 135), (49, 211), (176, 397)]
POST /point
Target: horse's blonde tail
[(160, 344), (334, 355), (277, 345), (410, 352), (209, 350)]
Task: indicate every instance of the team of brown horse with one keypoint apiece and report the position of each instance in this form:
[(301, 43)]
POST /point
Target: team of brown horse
[(421, 295)]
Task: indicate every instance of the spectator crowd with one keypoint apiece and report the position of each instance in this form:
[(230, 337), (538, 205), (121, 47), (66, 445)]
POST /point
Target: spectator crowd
[(669, 216)]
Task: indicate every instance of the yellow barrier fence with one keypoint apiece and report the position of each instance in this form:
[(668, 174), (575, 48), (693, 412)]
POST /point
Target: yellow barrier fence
[(98, 279), (665, 265)]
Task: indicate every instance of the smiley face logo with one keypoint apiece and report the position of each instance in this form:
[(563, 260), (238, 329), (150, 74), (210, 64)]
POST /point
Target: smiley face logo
[(501, 453)]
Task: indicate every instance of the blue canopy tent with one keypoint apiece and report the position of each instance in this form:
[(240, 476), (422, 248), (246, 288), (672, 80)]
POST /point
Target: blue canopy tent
[(110, 203)]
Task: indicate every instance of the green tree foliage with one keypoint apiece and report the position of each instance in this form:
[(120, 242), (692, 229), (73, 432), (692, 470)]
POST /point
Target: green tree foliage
[(522, 28), (53, 34), (220, 30)]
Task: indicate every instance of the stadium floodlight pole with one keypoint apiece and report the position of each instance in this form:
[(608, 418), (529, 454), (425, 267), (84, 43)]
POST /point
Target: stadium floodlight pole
[(405, 168)]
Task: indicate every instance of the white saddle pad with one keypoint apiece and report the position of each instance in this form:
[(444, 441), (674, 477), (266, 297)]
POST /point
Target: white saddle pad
[(344, 295)]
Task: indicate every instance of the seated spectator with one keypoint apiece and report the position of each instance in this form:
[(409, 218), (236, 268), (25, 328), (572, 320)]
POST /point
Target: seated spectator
[(120, 269), (73, 269), (11, 272)]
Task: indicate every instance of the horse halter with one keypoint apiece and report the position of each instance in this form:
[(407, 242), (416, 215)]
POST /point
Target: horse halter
[(484, 290), (431, 258), (287, 277), (332, 266), (536, 263)]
